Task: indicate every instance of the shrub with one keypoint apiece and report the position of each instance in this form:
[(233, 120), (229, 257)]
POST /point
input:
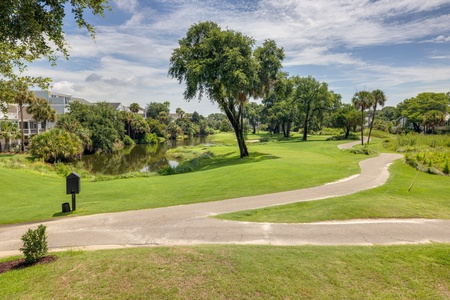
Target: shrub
[(167, 170), (56, 145), (149, 138), (330, 131), (127, 141), (62, 169), (446, 169), (362, 150), (34, 244)]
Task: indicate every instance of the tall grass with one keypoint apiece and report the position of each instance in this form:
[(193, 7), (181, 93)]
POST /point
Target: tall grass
[(427, 153)]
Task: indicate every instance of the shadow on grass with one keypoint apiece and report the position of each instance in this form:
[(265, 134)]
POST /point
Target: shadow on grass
[(6, 155), (62, 214), (231, 159)]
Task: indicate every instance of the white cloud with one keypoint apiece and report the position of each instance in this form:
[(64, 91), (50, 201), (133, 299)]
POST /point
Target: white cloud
[(442, 39), (129, 61), (63, 87)]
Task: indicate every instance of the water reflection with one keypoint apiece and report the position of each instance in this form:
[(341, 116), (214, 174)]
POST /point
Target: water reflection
[(138, 158)]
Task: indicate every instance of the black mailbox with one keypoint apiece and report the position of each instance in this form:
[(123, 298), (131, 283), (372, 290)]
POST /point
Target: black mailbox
[(73, 183)]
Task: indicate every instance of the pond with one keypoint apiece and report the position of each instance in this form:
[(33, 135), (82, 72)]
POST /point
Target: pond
[(138, 158)]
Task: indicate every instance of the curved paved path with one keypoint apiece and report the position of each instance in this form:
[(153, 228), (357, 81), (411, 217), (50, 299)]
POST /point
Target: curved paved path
[(190, 224)]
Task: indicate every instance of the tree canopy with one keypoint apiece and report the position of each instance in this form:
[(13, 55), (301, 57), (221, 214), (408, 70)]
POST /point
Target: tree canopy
[(312, 98), (32, 29), (414, 109), (222, 65), (363, 100), (98, 126)]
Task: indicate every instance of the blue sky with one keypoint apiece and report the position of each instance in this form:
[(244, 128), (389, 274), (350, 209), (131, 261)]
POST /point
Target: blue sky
[(401, 47)]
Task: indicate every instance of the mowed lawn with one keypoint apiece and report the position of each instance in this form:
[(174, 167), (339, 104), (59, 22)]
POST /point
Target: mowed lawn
[(230, 271), (429, 197), (238, 272), (271, 167)]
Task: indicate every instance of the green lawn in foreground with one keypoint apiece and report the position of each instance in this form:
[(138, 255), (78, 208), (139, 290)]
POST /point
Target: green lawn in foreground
[(428, 198), (272, 167), (239, 272)]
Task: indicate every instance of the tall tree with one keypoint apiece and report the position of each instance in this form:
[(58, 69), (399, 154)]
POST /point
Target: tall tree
[(34, 29), (42, 112), (346, 117), (31, 29), (362, 100), (312, 97), (253, 114), (279, 109), (134, 107), (222, 65), (433, 118), (180, 112), (8, 131), (378, 99), (414, 109), (21, 96), (155, 108)]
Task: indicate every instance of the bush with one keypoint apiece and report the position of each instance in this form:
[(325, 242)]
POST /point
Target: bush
[(127, 141), (149, 138), (330, 131), (34, 244), (362, 150), (446, 169), (62, 169), (56, 145)]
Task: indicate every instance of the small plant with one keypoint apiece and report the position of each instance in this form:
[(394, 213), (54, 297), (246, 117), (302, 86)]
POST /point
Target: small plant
[(446, 169), (34, 244)]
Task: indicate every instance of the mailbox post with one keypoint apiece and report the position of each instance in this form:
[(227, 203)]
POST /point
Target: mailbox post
[(73, 187)]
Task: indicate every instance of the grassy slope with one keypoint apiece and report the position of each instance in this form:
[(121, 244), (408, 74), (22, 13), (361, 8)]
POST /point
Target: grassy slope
[(239, 272), (272, 167)]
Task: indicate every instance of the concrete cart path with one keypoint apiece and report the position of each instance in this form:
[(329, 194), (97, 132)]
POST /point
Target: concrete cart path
[(191, 224)]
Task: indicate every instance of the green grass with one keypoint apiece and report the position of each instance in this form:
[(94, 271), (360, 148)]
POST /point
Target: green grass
[(272, 167), (238, 272), (428, 198)]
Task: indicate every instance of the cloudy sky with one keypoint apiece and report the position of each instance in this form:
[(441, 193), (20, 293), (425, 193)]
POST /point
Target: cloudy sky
[(399, 46)]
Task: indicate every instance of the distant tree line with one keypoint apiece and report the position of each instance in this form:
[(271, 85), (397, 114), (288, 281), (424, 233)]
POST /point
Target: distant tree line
[(99, 128)]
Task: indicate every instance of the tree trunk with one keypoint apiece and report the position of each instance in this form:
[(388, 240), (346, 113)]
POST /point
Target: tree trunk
[(22, 146), (416, 127), (37, 126), (241, 143), (288, 130), (305, 124), (238, 126), (371, 122), (347, 132), (362, 126)]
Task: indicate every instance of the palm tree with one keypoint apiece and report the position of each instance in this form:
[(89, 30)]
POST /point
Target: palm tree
[(42, 111), (433, 118), (179, 112), (134, 107), (362, 100), (378, 98), (8, 131), (22, 95)]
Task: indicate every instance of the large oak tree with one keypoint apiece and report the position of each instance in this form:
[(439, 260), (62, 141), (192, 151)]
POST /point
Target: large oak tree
[(312, 98), (415, 109), (223, 65)]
